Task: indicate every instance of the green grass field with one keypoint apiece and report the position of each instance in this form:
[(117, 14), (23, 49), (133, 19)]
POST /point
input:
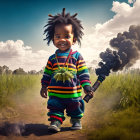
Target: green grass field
[(117, 103), (11, 85)]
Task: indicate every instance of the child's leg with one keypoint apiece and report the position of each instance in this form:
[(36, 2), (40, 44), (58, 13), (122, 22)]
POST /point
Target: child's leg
[(75, 109), (56, 109), (56, 113)]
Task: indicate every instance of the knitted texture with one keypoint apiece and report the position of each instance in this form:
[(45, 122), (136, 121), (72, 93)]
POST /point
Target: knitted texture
[(70, 88)]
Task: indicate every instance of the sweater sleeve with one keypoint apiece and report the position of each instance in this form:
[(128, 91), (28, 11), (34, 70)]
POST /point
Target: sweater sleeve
[(82, 72), (45, 81)]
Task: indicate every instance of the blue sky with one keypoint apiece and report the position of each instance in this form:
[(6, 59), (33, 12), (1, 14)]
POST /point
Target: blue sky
[(24, 19), (22, 22)]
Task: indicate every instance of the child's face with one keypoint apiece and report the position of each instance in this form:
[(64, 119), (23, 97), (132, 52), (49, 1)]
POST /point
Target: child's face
[(63, 37)]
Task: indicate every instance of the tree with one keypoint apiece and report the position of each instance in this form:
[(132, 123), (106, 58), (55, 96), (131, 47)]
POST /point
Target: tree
[(19, 71), (32, 72), (4, 70)]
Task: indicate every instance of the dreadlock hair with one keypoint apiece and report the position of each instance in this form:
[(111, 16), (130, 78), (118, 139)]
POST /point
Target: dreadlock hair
[(63, 19)]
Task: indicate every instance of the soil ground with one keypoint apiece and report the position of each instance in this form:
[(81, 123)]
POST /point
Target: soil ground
[(30, 109)]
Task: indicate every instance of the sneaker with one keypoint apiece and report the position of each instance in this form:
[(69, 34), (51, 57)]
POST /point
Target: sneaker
[(55, 126), (76, 124)]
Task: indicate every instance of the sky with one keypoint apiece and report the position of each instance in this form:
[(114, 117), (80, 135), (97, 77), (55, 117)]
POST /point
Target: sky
[(22, 22)]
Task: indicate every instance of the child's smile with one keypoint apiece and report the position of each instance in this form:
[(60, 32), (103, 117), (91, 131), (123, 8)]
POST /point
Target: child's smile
[(63, 37)]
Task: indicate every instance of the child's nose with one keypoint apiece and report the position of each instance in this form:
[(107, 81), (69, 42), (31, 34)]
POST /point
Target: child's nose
[(62, 39)]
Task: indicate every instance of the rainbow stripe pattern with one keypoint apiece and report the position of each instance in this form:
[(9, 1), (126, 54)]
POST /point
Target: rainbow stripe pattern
[(69, 89)]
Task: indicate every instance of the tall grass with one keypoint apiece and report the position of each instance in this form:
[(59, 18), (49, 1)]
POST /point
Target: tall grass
[(118, 108), (11, 85), (120, 125), (127, 86), (116, 103)]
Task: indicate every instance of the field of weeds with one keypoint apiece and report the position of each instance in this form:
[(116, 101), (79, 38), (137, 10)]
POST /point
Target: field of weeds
[(113, 113), (12, 85), (117, 108)]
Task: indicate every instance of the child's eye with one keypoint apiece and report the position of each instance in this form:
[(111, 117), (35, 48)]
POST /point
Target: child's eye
[(67, 36), (57, 36)]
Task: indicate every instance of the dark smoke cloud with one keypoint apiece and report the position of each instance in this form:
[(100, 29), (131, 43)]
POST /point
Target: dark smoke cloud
[(127, 45), (16, 129)]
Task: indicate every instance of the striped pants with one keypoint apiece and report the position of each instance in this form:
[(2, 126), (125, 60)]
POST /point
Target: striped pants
[(74, 108)]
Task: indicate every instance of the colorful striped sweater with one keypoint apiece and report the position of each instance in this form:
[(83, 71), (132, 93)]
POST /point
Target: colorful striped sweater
[(68, 89)]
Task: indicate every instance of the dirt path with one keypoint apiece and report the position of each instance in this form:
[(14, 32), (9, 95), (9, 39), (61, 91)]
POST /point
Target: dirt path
[(31, 109)]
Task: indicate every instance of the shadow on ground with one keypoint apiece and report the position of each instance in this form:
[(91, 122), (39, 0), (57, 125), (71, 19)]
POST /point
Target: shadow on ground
[(36, 129)]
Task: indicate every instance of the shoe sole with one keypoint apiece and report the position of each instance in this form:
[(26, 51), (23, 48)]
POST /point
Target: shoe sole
[(54, 129), (75, 128)]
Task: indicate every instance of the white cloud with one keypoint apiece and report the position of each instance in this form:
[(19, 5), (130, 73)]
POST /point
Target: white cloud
[(98, 41), (131, 1), (124, 17), (15, 55)]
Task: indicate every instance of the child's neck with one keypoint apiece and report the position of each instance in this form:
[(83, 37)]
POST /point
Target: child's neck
[(64, 50)]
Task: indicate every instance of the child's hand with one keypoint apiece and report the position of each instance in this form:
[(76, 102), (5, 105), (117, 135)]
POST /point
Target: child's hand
[(43, 92), (88, 90), (91, 92)]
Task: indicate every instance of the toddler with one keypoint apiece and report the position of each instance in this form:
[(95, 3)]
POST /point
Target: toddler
[(65, 73)]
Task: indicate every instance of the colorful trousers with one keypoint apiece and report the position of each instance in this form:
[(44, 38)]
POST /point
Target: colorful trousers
[(74, 108)]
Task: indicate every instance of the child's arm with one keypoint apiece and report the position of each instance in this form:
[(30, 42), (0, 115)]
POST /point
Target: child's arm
[(83, 75), (45, 81)]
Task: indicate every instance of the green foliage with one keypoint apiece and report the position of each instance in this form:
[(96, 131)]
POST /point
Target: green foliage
[(126, 86), (117, 108), (121, 125), (11, 85)]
